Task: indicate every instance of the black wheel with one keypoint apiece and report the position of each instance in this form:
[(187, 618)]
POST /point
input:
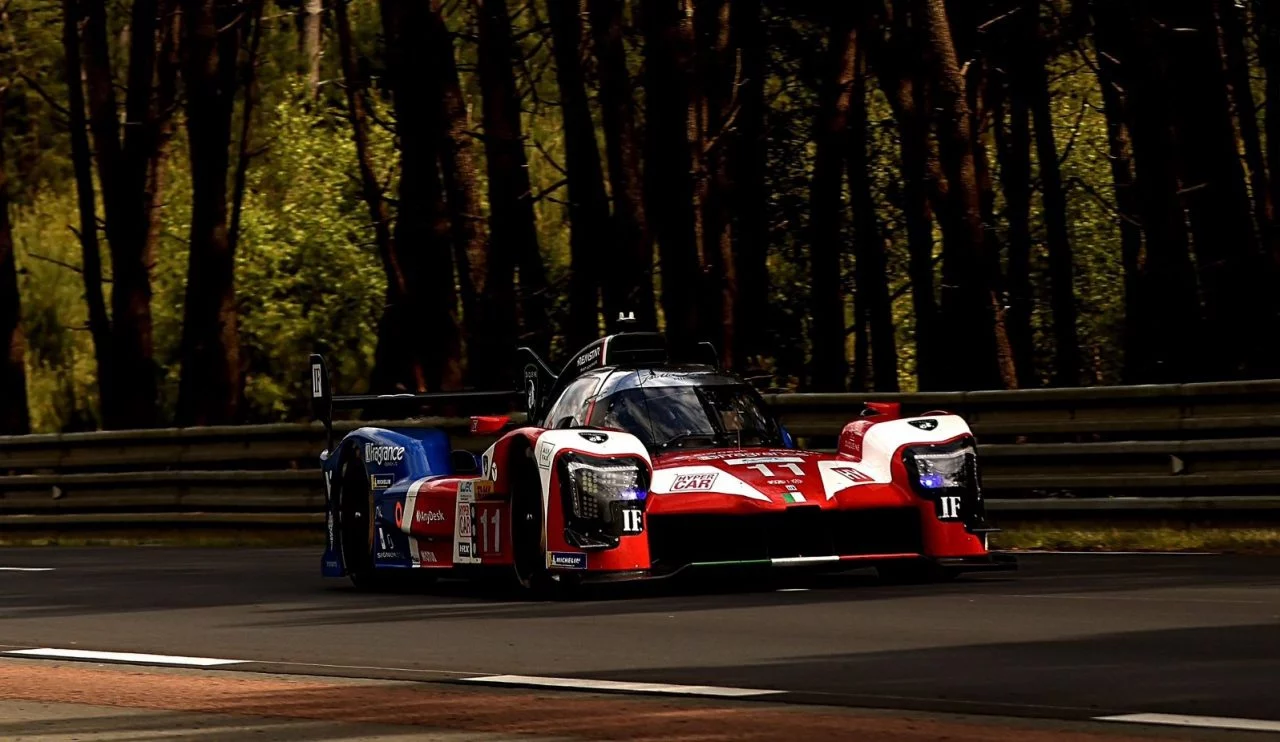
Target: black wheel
[(526, 521), (530, 549), (915, 573), (355, 523)]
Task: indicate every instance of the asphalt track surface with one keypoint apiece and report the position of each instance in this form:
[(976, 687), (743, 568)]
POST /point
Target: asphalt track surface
[(1069, 637)]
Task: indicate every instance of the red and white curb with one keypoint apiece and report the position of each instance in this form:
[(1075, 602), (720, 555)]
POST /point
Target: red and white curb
[(582, 684), (617, 686), (1199, 722), (605, 686), (132, 658)]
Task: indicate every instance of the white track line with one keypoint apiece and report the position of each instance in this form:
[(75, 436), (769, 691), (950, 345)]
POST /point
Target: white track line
[(131, 657), (618, 686), (1208, 722), (26, 569)]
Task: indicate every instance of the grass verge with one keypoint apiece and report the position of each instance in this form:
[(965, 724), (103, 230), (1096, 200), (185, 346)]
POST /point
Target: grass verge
[(1251, 539)]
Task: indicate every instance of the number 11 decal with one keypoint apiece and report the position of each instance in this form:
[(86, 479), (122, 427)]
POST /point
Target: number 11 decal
[(485, 522), (766, 471)]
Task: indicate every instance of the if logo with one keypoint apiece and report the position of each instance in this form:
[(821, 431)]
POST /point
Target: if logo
[(949, 507), (632, 521)]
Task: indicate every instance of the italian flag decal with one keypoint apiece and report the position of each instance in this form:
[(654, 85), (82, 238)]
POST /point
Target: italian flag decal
[(790, 497)]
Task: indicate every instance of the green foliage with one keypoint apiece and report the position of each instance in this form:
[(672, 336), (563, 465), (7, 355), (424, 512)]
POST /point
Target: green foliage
[(61, 371), (309, 278)]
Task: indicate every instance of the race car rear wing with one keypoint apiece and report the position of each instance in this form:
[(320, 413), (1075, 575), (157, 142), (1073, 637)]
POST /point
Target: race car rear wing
[(323, 401)]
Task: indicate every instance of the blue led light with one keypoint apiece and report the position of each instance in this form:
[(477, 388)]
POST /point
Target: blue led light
[(932, 481)]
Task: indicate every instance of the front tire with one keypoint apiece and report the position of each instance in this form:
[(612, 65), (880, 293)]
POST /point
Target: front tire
[(528, 542)]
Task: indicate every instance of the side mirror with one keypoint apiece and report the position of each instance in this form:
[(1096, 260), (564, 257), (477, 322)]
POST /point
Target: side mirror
[(489, 424), (882, 409), (787, 440), (565, 422), (464, 462)]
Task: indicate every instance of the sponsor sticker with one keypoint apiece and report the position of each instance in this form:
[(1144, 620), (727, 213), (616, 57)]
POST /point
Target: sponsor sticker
[(383, 455), (596, 438), (464, 520), (317, 388), (464, 549), (429, 516), (693, 482), (926, 424), (764, 460), (566, 560), (852, 474), (589, 357), (381, 481), (470, 489), (545, 449)]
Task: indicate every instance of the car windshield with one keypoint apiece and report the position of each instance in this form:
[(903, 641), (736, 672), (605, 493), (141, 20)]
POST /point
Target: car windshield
[(669, 417)]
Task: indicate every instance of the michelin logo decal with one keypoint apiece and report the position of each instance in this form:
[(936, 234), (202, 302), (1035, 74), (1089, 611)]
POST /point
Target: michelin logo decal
[(567, 560)]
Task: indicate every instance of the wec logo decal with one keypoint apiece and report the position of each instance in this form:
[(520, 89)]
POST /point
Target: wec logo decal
[(382, 455), (693, 482)]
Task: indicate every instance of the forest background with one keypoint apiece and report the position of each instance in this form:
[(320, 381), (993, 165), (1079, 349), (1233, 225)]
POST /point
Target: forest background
[(866, 195)]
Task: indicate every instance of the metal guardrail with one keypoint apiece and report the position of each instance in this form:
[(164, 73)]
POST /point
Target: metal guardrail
[(1045, 452)]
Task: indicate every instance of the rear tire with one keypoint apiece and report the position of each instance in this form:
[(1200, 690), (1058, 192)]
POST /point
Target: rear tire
[(355, 518)]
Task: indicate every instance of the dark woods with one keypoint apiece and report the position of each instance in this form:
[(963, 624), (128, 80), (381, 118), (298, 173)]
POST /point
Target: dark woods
[(838, 195)]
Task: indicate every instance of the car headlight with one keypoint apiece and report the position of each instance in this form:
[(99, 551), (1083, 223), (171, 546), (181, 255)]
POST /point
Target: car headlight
[(596, 486), (936, 471), (603, 499), (947, 475)]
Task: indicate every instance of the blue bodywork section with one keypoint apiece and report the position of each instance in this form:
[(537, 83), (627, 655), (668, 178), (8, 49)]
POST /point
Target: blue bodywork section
[(392, 460)]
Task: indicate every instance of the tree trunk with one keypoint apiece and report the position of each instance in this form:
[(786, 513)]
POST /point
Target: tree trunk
[(14, 418), (669, 186), (1165, 323), (212, 383), (1232, 21), (312, 10), (423, 240), (902, 76), (127, 176), (82, 164), (1267, 18), (1062, 300), (1236, 282), (629, 287), (716, 63), (514, 235), (747, 161), (874, 308), (1013, 148), (588, 202), (244, 153), (829, 364), (462, 195), (393, 364), (971, 310)]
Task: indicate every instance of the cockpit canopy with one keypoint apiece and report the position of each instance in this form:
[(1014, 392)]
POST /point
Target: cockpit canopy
[(670, 408)]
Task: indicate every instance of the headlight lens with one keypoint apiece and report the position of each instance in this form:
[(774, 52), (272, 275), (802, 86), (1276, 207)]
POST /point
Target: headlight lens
[(603, 499), (935, 471), (594, 486)]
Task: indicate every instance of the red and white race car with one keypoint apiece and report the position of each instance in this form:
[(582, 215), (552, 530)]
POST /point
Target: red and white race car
[(633, 466)]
